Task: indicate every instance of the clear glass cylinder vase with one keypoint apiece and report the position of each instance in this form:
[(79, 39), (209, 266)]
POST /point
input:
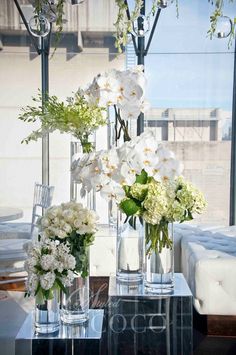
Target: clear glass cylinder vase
[(129, 250), (75, 302), (77, 151), (47, 315), (159, 258)]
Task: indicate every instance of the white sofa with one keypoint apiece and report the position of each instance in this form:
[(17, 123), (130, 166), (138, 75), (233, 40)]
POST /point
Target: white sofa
[(208, 262)]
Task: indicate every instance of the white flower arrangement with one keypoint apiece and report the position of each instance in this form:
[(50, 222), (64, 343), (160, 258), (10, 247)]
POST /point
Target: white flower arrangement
[(144, 179), (125, 90), (109, 171), (74, 225), (50, 266)]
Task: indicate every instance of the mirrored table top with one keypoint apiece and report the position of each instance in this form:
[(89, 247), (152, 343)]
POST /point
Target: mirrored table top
[(126, 289)]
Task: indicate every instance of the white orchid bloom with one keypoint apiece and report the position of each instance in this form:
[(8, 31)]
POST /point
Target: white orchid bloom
[(112, 192), (125, 151), (164, 154), (170, 168), (129, 173), (133, 92), (145, 106), (108, 161), (129, 112), (107, 98), (107, 82)]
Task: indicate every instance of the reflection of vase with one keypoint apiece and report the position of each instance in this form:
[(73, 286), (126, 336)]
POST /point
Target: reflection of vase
[(112, 213), (159, 263), (47, 317), (75, 303), (129, 250)]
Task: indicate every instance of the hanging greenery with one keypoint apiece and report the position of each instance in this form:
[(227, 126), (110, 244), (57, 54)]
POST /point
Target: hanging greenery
[(216, 15), (53, 11), (124, 26)]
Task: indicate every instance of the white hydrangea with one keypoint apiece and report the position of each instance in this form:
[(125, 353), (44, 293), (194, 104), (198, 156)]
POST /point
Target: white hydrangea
[(47, 280), (32, 283), (67, 280), (48, 262)]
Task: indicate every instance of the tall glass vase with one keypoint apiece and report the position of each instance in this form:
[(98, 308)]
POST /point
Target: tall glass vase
[(47, 316), (75, 302), (159, 258), (76, 152), (129, 250)]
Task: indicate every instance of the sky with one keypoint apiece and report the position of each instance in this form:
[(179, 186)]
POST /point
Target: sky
[(184, 67)]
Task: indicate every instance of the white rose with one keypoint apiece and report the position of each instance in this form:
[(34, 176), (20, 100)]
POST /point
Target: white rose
[(54, 212), (61, 234), (44, 222)]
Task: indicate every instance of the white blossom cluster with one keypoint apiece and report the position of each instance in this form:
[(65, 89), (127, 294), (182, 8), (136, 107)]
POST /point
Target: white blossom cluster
[(48, 265), (109, 170), (60, 221), (125, 89)]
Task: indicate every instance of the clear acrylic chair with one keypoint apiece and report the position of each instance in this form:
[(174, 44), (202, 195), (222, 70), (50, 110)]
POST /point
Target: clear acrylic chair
[(42, 199), (15, 235)]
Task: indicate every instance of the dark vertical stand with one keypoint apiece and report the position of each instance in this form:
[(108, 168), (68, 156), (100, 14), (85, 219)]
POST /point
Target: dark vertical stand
[(42, 50)]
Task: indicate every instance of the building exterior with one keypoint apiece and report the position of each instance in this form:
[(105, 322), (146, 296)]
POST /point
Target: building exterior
[(197, 136), (187, 124)]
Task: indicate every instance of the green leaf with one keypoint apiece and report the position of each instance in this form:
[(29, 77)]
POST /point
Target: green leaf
[(129, 207), (142, 178), (60, 284)]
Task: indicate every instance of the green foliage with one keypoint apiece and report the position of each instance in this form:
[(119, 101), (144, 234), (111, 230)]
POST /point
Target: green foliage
[(129, 206), (142, 178), (76, 116), (124, 25), (217, 13), (57, 10), (79, 248), (153, 237)]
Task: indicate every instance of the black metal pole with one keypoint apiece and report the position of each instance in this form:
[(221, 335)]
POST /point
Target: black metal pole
[(232, 211), (45, 45), (152, 31), (33, 40), (140, 60)]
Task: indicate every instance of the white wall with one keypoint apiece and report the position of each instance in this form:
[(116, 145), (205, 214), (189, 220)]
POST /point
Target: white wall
[(20, 164)]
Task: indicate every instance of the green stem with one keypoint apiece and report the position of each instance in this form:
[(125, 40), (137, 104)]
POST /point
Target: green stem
[(157, 237), (123, 126)]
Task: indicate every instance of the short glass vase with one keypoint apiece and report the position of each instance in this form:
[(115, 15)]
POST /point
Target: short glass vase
[(75, 302), (159, 261), (47, 315)]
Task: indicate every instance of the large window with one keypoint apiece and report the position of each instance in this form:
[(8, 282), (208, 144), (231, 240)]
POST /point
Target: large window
[(190, 80)]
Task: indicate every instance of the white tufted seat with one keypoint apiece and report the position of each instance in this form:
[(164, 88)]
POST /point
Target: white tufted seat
[(209, 266)]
